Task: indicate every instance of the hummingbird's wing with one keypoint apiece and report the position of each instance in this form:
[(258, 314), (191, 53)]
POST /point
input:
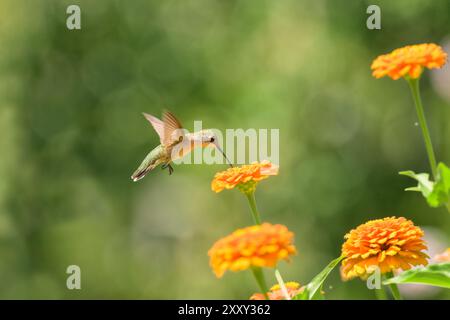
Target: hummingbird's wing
[(172, 129), (157, 124)]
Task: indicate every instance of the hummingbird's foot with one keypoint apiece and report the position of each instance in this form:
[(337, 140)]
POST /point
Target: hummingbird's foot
[(167, 165)]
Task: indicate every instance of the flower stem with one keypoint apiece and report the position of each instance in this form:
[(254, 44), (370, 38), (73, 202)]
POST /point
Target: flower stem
[(252, 202), (414, 85), (259, 276), (257, 271), (380, 294), (394, 289)]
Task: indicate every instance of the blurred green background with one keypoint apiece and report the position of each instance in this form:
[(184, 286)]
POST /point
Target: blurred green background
[(72, 134)]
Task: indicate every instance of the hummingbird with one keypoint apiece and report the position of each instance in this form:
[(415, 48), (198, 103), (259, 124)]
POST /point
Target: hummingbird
[(175, 143)]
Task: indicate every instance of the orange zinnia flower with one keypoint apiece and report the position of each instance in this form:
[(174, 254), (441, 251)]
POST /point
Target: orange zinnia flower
[(256, 246), (409, 61), (275, 293), (244, 177), (388, 244)]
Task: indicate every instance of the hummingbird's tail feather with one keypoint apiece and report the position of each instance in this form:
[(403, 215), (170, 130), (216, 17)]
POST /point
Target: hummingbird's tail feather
[(152, 160), (141, 172)]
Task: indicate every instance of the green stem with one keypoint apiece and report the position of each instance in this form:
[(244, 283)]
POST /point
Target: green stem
[(414, 85), (259, 276), (252, 202), (380, 294), (257, 271), (394, 289)]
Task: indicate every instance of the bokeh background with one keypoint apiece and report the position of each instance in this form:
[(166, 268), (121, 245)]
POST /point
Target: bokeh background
[(72, 133)]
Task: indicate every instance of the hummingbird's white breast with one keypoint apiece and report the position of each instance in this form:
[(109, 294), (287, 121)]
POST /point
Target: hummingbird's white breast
[(181, 149)]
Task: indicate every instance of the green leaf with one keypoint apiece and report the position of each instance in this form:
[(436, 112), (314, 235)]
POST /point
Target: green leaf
[(437, 193), (441, 190), (425, 185), (437, 275), (313, 289)]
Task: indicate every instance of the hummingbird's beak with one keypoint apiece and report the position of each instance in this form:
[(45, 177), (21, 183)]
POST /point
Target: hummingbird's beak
[(224, 155)]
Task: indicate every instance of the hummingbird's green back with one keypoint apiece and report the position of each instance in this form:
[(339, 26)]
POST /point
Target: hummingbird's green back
[(153, 158)]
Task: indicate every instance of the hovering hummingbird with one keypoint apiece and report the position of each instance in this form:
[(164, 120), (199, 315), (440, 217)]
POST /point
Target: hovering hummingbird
[(173, 138)]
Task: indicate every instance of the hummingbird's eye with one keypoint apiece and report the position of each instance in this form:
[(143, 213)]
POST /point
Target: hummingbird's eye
[(212, 139)]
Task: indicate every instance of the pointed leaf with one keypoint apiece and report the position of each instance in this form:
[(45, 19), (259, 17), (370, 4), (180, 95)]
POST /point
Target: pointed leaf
[(437, 193), (434, 275), (441, 189), (313, 289), (425, 185)]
